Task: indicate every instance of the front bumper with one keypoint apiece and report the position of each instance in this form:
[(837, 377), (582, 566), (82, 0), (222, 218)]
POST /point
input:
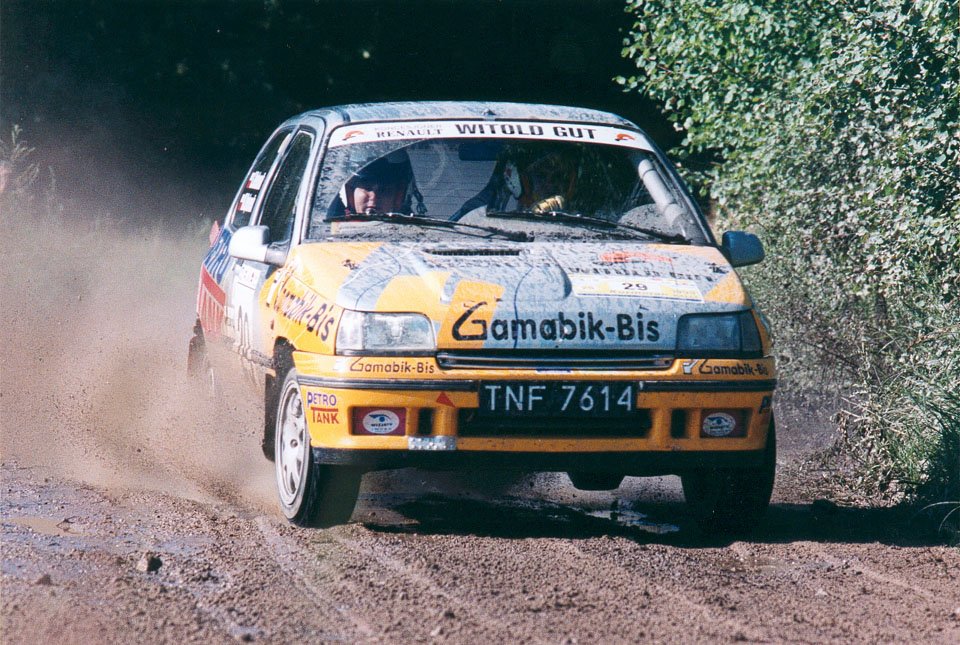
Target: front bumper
[(439, 431)]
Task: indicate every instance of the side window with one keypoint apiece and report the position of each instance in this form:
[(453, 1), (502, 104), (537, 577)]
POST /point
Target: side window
[(255, 179), (280, 205)]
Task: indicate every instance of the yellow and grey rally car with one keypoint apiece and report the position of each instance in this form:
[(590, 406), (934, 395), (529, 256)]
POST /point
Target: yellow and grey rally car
[(451, 285)]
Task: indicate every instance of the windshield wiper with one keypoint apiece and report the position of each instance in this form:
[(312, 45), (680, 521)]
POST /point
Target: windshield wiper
[(403, 218), (578, 218)]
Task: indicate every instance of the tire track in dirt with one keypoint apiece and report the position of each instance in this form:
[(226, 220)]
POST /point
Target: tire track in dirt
[(706, 608), (818, 588), (407, 605), (309, 573), (471, 618), (545, 589), (891, 580), (238, 576), (746, 554)]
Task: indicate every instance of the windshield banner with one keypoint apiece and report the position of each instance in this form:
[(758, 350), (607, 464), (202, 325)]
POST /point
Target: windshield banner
[(545, 130)]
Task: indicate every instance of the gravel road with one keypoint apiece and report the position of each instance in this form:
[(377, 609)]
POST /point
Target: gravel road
[(132, 510)]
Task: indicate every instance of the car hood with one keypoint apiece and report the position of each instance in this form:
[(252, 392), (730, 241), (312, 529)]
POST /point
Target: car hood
[(532, 295)]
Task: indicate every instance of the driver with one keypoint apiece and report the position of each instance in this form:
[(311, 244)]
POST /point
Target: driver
[(382, 186)]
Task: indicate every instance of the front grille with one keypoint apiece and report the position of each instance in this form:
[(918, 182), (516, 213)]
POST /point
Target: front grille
[(553, 360), (636, 425)]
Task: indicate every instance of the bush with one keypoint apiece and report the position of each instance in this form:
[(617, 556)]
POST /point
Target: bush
[(833, 127)]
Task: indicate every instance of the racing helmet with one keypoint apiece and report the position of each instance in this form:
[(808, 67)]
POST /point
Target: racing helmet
[(390, 176)]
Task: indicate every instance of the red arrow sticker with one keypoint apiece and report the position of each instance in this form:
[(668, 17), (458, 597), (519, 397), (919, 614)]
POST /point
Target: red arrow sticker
[(443, 399)]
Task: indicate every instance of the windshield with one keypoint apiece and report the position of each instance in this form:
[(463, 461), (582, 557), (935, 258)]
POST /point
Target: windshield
[(502, 182)]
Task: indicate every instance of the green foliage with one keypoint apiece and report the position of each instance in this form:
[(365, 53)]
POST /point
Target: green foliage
[(837, 126)]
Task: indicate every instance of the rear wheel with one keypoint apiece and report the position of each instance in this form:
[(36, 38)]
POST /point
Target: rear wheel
[(199, 366), (729, 500), (595, 481), (311, 494)]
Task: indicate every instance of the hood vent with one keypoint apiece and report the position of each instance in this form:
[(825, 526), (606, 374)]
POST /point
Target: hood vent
[(472, 251)]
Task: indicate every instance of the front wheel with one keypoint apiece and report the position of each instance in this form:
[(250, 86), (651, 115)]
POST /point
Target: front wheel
[(730, 500), (311, 494)]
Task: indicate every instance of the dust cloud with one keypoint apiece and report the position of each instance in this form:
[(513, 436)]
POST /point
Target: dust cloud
[(95, 317)]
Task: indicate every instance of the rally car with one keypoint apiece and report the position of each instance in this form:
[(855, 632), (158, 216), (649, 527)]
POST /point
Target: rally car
[(486, 286)]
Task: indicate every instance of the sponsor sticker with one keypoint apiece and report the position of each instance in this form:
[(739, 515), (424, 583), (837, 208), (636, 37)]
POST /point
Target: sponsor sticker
[(246, 202), (325, 416), (380, 422), (544, 130), (218, 257), (582, 325), (315, 314), (718, 424), (621, 257), (390, 366), (319, 397), (635, 287), (736, 369), (323, 407), (256, 180)]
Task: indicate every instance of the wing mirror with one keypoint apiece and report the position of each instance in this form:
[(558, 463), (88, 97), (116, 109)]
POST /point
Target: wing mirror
[(253, 243), (742, 249)]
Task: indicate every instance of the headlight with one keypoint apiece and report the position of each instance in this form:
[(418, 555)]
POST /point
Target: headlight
[(718, 333), (384, 333)]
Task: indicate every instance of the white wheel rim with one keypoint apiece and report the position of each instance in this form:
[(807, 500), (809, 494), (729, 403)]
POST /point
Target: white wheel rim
[(292, 447)]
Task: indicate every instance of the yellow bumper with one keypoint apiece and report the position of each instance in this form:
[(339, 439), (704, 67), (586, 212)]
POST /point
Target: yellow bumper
[(440, 403)]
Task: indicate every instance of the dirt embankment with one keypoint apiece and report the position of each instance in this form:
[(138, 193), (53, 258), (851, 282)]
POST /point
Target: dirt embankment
[(132, 511)]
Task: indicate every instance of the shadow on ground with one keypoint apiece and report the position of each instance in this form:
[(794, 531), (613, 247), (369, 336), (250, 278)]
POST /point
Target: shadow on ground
[(663, 523)]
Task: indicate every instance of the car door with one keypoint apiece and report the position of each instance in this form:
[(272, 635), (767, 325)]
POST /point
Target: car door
[(277, 210), (219, 272)]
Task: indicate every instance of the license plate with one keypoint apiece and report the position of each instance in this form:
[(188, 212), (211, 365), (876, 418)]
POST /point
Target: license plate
[(557, 399)]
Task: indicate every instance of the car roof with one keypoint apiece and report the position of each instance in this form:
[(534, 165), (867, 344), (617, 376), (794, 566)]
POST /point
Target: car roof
[(403, 110)]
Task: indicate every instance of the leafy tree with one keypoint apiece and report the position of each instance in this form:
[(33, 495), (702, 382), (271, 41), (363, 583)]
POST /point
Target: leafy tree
[(835, 127)]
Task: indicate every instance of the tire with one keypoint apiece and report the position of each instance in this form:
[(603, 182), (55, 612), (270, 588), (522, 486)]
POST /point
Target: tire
[(311, 494), (199, 367), (271, 395), (196, 353), (595, 481), (732, 500)]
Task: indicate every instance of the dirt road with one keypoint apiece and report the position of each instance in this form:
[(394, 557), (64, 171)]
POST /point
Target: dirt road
[(130, 511)]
